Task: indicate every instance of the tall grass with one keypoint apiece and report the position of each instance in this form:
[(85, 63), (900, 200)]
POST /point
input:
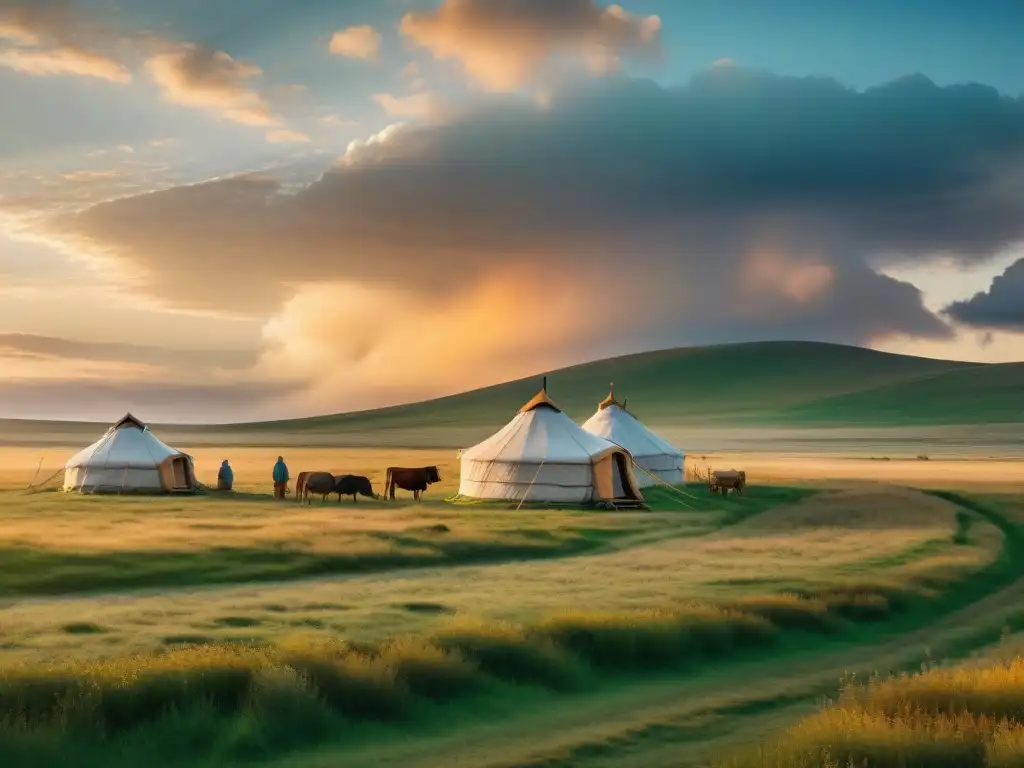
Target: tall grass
[(269, 698), (969, 718)]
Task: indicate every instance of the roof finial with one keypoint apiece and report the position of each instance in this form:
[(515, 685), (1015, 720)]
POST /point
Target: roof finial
[(610, 400), (540, 399)]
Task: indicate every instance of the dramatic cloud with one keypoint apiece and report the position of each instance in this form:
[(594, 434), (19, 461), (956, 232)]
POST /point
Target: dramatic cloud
[(470, 336), (362, 42), (1001, 307), (46, 39), (504, 44), (202, 78), (624, 215)]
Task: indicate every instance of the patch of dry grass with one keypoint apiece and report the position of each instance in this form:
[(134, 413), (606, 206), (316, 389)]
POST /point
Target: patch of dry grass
[(971, 716)]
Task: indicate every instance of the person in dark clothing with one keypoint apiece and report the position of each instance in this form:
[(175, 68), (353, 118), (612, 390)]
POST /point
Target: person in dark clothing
[(225, 476), (280, 478)]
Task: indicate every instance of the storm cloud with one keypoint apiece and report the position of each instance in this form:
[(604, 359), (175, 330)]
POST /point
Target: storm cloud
[(1001, 307), (742, 205)]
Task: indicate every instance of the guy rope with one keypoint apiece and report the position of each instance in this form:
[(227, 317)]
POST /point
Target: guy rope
[(668, 485), (530, 487)]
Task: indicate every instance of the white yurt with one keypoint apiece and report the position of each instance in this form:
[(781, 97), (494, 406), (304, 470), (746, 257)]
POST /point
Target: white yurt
[(613, 422), (543, 456), (129, 459)]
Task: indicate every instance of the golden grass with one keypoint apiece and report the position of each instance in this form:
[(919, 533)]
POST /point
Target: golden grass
[(384, 680), (134, 524), (834, 540), (970, 716)]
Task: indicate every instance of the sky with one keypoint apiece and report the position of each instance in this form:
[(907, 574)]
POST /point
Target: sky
[(250, 209)]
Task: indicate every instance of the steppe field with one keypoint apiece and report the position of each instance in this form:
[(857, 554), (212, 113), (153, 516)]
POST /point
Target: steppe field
[(875, 539)]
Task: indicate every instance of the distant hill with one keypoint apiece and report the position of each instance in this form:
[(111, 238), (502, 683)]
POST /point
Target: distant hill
[(770, 384), (763, 383)]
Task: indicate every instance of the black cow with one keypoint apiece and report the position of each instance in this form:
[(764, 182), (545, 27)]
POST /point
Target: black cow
[(354, 486), (415, 479), (317, 482)]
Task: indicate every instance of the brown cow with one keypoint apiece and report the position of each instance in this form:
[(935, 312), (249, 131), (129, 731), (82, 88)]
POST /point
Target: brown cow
[(316, 482), (724, 480), (415, 479), (300, 485)]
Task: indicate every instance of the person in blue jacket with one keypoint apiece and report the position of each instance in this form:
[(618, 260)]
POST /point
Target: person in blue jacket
[(280, 478), (225, 476)]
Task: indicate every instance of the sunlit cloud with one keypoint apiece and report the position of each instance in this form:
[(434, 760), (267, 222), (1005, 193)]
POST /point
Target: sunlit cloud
[(52, 39), (202, 78), (360, 42), (504, 46), (65, 61), (24, 366), (344, 341)]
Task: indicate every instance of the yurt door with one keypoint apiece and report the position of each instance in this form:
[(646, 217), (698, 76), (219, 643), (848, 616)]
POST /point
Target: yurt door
[(180, 473), (617, 476), (623, 490)]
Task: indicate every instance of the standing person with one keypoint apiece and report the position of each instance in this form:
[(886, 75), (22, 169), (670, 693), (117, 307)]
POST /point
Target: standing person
[(280, 478), (225, 476)]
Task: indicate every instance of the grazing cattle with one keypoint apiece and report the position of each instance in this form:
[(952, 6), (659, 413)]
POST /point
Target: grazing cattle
[(415, 479), (725, 480), (354, 486), (300, 485), (317, 482)]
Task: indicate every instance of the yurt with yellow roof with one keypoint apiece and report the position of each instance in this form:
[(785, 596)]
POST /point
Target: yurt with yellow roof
[(543, 456)]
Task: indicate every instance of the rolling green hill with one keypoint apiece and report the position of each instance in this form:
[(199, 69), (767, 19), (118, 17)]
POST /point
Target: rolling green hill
[(766, 384)]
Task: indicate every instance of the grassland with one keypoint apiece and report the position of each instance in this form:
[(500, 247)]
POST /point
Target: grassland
[(969, 716), (807, 390), (226, 630), (232, 629)]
